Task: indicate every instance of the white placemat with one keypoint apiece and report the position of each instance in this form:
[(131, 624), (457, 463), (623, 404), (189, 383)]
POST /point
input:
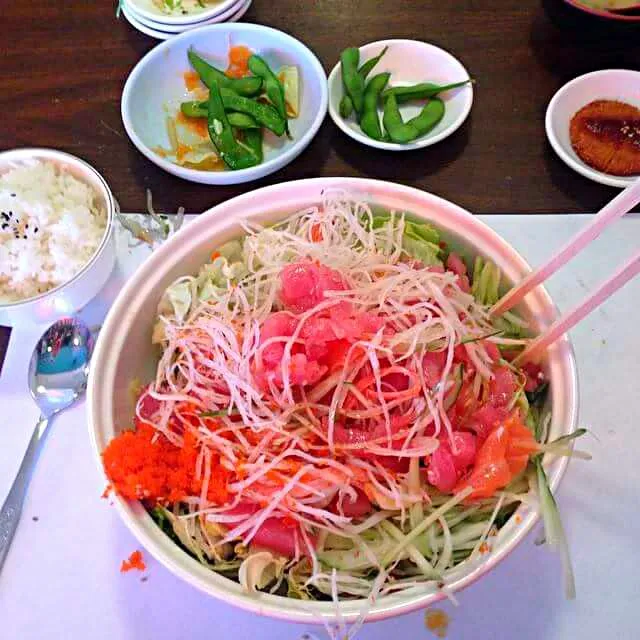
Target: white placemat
[(61, 579)]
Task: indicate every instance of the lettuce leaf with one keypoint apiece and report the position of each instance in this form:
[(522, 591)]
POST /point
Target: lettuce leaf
[(420, 239), (213, 280), (179, 297), (427, 252)]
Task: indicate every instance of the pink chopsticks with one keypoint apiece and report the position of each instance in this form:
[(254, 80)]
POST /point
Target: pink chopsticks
[(615, 209), (571, 318)]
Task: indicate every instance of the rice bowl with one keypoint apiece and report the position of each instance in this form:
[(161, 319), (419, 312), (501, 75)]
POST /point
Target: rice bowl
[(55, 228), (124, 352)]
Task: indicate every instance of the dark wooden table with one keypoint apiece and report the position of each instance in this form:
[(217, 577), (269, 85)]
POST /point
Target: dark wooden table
[(63, 66)]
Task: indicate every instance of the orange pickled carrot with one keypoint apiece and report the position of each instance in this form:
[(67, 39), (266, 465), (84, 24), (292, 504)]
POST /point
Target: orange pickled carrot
[(182, 151), (238, 61), (197, 125), (191, 80), (316, 232)]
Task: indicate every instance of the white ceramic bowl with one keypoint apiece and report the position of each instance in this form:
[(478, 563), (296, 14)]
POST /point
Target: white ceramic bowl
[(124, 352), (409, 62), (157, 81), (70, 296), (147, 10), (164, 32), (610, 84)]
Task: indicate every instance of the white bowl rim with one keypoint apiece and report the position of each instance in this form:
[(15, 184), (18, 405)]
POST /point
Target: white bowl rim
[(576, 164), (163, 32), (422, 142), (230, 177), (190, 570), (54, 155), (191, 19)]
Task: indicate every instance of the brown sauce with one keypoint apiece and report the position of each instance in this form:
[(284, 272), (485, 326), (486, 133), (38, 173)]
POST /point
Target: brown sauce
[(605, 134)]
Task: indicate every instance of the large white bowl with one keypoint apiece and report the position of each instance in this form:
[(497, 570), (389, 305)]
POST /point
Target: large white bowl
[(608, 84), (124, 352), (74, 294), (157, 80), (409, 62)]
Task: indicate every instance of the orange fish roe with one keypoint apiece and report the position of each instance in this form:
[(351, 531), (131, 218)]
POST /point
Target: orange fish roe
[(141, 468), (106, 492), (134, 561), (437, 621), (238, 61)]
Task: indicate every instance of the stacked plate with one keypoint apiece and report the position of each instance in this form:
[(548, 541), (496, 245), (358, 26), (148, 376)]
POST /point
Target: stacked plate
[(162, 19)]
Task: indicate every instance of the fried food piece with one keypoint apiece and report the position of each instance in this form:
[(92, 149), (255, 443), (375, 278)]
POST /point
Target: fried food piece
[(606, 135)]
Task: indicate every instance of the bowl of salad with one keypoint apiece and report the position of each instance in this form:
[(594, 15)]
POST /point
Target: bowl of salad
[(225, 103), (305, 408)]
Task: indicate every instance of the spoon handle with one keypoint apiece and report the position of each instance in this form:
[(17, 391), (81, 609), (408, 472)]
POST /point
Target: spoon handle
[(12, 507)]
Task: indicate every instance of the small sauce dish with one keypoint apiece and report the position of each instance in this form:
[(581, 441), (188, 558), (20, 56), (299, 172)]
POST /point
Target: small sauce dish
[(622, 85)]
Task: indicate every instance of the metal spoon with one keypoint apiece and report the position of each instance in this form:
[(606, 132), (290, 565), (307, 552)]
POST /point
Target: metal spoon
[(57, 378)]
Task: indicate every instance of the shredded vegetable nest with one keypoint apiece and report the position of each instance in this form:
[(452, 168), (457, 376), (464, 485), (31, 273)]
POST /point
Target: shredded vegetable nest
[(335, 415)]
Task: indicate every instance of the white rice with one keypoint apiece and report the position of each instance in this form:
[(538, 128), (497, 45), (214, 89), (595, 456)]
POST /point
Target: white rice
[(51, 224)]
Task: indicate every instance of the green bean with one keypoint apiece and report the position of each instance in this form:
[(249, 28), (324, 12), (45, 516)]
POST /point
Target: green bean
[(404, 132), (370, 121), (272, 86), (237, 120), (345, 107), (249, 86), (253, 139), (242, 120), (428, 118), (264, 114), (368, 66), (421, 91), (353, 81), (398, 130), (233, 154), (195, 109)]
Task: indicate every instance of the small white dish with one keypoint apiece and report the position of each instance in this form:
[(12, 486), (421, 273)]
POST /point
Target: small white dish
[(148, 10), (609, 84), (409, 62), (232, 13), (160, 34), (157, 81)]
